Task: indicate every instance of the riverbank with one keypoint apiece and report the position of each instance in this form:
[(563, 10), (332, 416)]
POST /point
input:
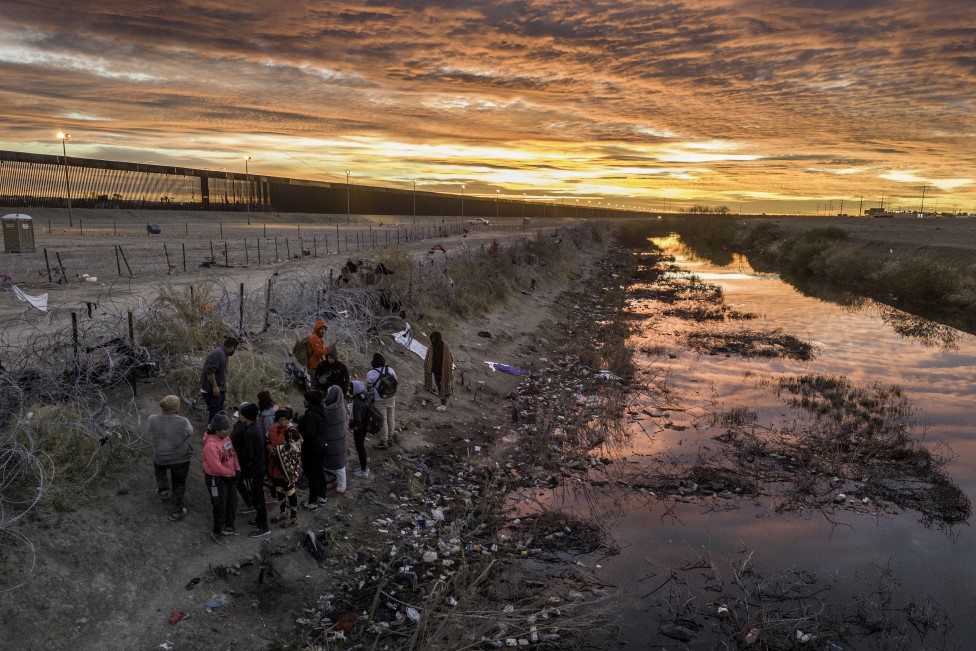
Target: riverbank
[(408, 555), (925, 266)]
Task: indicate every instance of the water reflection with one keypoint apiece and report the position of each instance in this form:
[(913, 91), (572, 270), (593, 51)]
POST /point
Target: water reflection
[(690, 400), (917, 328)]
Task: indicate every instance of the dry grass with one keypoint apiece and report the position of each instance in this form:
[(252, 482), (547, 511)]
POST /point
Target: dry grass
[(75, 452)]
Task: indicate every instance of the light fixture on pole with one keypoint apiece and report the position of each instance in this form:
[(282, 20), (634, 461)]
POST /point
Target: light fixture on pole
[(67, 184), (462, 201), (247, 177), (523, 205), (415, 197), (496, 203), (347, 195)]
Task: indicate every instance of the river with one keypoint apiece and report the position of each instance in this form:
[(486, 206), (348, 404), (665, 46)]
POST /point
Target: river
[(870, 567)]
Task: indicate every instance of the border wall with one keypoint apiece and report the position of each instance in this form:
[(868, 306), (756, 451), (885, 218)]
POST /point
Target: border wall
[(43, 180)]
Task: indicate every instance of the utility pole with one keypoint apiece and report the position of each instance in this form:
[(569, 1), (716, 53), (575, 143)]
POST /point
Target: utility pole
[(860, 208), (921, 208), (841, 206), (882, 202)]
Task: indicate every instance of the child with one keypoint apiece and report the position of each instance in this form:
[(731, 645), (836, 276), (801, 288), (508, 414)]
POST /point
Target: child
[(284, 462), (220, 469)]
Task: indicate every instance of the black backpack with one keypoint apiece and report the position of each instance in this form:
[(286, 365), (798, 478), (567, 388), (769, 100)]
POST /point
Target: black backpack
[(385, 384)]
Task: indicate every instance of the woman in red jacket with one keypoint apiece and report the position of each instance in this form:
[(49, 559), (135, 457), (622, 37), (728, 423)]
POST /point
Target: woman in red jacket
[(220, 469)]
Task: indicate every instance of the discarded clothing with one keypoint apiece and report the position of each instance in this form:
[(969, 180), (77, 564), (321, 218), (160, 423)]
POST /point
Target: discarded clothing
[(505, 368), (40, 302), (406, 340)]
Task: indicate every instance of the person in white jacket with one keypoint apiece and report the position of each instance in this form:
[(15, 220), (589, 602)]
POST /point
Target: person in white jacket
[(386, 405)]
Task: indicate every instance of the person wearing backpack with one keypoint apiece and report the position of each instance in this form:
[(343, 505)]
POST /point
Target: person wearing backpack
[(382, 382), (317, 346)]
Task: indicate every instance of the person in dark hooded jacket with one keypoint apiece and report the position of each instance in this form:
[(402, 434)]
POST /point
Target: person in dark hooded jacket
[(249, 446), (312, 427), (332, 372)]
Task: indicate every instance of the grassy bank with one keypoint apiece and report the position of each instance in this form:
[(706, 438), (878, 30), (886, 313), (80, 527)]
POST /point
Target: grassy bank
[(935, 280)]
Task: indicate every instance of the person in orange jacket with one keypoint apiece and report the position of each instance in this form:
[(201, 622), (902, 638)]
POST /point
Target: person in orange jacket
[(317, 346)]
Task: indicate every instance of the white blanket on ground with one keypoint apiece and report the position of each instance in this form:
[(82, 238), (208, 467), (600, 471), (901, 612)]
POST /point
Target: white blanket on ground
[(406, 339), (40, 302)]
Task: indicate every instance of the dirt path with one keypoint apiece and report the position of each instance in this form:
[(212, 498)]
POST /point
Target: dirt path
[(111, 572)]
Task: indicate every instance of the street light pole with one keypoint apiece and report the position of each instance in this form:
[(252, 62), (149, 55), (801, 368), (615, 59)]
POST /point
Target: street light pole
[(347, 195), (415, 199), (523, 206), (247, 177), (462, 201), (496, 203), (67, 183)]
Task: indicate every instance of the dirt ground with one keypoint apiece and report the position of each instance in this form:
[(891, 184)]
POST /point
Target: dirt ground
[(110, 573)]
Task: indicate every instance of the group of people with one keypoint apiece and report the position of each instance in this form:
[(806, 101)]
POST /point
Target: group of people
[(271, 447)]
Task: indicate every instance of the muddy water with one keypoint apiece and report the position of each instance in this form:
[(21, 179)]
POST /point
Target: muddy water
[(850, 551)]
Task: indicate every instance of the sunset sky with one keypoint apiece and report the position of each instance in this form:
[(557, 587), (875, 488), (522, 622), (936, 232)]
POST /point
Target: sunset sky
[(760, 105)]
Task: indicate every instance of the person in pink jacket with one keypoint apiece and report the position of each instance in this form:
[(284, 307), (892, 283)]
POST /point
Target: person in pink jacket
[(221, 469)]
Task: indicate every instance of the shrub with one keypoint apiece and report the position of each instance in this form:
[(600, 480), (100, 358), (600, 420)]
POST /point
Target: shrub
[(761, 237), (924, 281)]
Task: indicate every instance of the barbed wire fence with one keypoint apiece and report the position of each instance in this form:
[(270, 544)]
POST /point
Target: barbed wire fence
[(69, 394)]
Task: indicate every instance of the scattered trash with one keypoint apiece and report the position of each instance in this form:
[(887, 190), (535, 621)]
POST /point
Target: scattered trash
[(405, 339), (840, 498), (506, 368), (40, 302), (802, 637), (214, 604), (752, 636), (311, 543), (176, 616), (413, 615), (677, 632), (607, 375), (193, 582)]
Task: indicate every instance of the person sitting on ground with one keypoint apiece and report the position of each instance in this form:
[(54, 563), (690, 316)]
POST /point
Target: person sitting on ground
[(220, 469), (336, 430), (332, 372), (172, 452), (359, 424), (439, 369), (312, 428), (317, 346), (284, 461), (385, 406), (249, 445), (266, 411), (213, 379)]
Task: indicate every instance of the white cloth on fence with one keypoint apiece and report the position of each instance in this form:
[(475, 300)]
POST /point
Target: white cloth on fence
[(406, 339), (40, 302)]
